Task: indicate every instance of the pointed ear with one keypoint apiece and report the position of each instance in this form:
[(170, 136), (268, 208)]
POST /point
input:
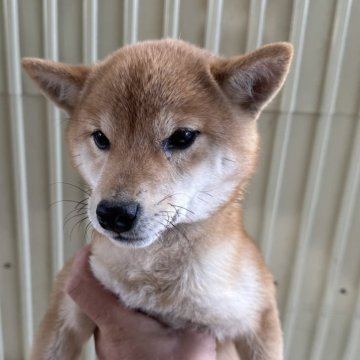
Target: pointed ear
[(62, 83), (252, 80)]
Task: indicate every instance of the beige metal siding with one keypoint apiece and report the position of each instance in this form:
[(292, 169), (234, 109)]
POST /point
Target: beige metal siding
[(302, 207)]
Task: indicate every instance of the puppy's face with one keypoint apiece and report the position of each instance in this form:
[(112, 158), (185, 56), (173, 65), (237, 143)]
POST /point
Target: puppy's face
[(163, 132)]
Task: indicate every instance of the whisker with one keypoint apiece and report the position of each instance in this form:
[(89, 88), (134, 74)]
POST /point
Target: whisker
[(181, 233), (206, 193), (75, 210), (88, 226), (168, 212), (83, 203), (77, 224), (171, 195), (171, 226), (201, 199), (167, 228), (166, 197), (227, 159), (59, 201), (74, 186), (73, 217), (181, 207)]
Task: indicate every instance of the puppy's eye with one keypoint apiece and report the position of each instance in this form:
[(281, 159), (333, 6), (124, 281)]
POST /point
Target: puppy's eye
[(100, 140), (180, 139)]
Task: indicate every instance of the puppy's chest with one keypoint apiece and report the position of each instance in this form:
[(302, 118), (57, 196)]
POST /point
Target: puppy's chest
[(197, 293), (156, 286)]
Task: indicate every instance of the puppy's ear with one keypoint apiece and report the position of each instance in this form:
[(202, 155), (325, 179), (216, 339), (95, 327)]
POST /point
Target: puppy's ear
[(252, 80), (62, 83)]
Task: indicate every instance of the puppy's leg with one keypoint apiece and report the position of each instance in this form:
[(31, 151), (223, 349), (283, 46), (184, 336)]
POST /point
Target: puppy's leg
[(64, 329), (266, 343)]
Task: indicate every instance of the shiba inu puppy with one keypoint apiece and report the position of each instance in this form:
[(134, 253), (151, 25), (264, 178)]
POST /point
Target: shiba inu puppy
[(165, 135)]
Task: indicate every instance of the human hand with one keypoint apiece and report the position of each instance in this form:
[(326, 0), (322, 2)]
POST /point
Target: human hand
[(127, 334)]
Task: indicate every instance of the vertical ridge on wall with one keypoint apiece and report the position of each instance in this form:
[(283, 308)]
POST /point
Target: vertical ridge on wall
[(90, 30), (256, 24), (283, 129), (171, 18), (340, 243), (12, 40), (51, 51), (131, 15), (322, 135), (352, 346), (213, 25), (2, 350)]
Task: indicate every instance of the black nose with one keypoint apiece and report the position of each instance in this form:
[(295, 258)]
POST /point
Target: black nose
[(117, 216)]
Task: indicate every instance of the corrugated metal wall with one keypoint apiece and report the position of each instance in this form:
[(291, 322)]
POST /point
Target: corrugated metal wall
[(303, 205)]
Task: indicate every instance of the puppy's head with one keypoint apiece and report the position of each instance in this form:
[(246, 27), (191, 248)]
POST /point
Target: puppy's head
[(163, 132)]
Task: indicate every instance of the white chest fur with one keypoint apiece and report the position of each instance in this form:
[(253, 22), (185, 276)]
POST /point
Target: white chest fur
[(205, 290)]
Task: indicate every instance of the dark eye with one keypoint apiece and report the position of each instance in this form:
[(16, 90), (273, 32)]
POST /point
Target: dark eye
[(101, 141), (180, 139)]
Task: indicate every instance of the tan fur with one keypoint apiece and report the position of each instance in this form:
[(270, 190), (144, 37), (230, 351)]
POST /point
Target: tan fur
[(191, 262), (55, 339)]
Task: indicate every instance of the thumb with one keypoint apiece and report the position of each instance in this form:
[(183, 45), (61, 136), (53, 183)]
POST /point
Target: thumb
[(99, 304)]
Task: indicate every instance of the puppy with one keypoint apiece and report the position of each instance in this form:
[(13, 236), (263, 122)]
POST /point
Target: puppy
[(164, 133)]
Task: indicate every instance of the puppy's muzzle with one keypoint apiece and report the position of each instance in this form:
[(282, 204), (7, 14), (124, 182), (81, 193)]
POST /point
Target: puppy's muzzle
[(118, 217)]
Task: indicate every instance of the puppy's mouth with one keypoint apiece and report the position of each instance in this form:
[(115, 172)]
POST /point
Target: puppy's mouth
[(131, 240), (128, 239)]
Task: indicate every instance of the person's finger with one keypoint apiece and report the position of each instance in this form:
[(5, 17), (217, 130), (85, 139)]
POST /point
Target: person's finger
[(100, 349), (81, 258), (97, 302)]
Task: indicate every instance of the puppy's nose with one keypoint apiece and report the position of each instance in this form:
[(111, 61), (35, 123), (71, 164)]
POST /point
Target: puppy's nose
[(117, 216)]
